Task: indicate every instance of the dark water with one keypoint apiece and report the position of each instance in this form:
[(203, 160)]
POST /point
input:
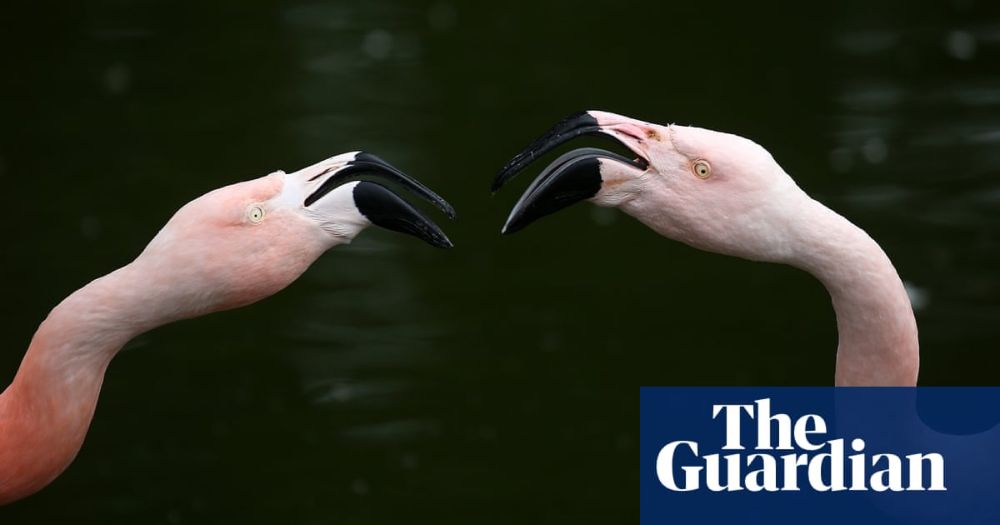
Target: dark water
[(497, 381)]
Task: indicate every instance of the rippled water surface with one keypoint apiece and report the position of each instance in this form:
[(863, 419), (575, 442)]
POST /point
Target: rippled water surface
[(497, 381)]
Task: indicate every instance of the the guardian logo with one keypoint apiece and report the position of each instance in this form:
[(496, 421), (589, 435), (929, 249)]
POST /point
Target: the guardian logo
[(810, 462)]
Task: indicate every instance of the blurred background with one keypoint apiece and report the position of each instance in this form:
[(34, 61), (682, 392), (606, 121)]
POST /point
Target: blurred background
[(497, 381)]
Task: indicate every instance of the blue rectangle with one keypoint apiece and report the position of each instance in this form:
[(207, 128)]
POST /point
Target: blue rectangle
[(837, 455)]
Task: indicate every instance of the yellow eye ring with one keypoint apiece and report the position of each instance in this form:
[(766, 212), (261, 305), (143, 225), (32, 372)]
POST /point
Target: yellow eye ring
[(702, 169), (255, 214)]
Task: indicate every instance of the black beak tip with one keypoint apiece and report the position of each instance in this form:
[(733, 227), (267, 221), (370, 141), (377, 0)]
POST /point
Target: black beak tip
[(434, 236), (508, 230), (438, 240), (498, 183), (515, 223)]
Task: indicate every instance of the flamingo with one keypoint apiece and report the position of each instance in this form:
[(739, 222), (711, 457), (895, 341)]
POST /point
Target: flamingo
[(723, 193), (228, 248)]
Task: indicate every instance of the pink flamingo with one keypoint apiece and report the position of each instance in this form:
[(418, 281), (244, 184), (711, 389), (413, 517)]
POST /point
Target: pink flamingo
[(724, 193), (229, 248)]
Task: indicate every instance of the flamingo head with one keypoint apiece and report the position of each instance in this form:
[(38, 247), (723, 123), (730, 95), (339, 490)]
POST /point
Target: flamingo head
[(243, 242), (715, 191)]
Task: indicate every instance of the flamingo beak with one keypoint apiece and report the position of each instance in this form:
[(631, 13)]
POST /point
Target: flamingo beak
[(571, 178), (386, 209), (380, 205)]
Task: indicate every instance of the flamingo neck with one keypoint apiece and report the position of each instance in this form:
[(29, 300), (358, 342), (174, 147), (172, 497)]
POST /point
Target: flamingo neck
[(877, 331), (47, 409)]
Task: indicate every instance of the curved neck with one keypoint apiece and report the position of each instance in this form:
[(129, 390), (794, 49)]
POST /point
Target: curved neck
[(878, 333), (47, 409)]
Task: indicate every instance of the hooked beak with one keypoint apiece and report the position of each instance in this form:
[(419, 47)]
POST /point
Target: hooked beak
[(573, 177), (380, 205)]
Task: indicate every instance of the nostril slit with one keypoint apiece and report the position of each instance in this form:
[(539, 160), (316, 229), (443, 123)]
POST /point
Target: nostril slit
[(324, 172)]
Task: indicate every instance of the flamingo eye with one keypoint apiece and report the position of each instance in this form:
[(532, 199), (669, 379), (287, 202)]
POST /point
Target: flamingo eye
[(702, 169), (255, 214)]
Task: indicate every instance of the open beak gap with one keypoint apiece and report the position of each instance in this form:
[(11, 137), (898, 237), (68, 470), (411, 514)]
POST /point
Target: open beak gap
[(380, 205), (386, 209), (571, 178), (567, 129), (368, 164)]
